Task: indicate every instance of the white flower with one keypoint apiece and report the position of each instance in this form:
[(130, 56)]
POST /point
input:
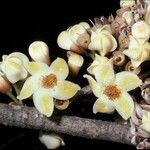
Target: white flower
[(112, 90), (75, 62), (47, 83), (141, 31), (138, 51), (102, 41), (39, 52), (75, 38), (13, 66)]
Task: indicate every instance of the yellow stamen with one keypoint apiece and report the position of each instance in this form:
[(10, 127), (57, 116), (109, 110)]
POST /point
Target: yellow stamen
[(112, 92), (49, 81)]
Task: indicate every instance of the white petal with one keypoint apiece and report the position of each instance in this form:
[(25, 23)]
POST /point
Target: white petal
[(65, 90), (39, 51), (141, 30), (27, 89), (124, 105), (94, 85), (20, 56), (96, 44), (64, 40), (14, 70), (59, 67), (127, 80), (98, 61), (36, 67), (43, 102), (102, 107), (85, 25), (136, 63), (133, 54), (75, 31), (109, 44), (104, 74)]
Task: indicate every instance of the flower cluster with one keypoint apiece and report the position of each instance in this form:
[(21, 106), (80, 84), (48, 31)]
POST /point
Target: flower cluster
[(120, 49), (39, 77), (117, 47)]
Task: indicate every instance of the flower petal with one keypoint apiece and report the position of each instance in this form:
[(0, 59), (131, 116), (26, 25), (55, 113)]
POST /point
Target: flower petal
[(65, 90), (98, 61), (43, 102), (124, 105), (27, 89), (127, 80), (104, 74), (96, 44), (14, 70), (94, 86), (60, 68), (103, 107), (35, 67), (20, 56), (133, 54)]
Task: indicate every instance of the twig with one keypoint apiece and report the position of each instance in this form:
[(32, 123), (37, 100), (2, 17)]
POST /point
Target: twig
[(28, 117)]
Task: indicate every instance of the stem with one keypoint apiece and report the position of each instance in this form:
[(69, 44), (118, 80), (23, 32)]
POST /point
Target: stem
[(29, 117), (13, 98), (16, 88)]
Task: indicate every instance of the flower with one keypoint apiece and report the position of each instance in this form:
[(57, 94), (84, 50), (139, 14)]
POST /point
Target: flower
[(75, 38), (75, 62), (146, 121), (102, 41), (47, 83), (141, 30), (95, 67), (112, 90), (39, 52), (13, 66), (137, 51)]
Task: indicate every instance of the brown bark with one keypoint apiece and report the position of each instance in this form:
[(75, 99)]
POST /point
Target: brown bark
[(29, 117)]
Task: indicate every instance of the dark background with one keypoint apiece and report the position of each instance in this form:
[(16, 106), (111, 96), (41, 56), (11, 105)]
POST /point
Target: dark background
[(21, 24)]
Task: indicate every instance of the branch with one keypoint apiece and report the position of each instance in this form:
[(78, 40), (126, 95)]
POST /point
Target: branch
[(29, 117)]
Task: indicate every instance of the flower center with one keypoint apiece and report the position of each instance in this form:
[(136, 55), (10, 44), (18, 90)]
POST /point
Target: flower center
[(49, 81), (112, 92)]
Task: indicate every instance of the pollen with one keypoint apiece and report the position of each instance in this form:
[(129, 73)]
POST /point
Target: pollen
[(112, 92), (49, 81)]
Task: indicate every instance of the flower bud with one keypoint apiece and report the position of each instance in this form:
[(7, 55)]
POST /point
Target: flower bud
[(13, 66), (75, 62), (39, 52), (102, 41), (51, 141), (141, 30)]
